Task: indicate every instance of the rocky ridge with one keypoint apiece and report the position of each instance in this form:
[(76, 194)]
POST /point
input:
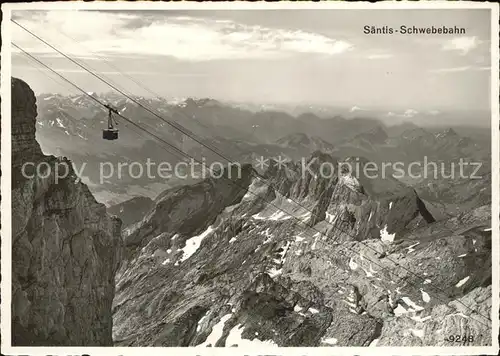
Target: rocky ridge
[(347, 269)]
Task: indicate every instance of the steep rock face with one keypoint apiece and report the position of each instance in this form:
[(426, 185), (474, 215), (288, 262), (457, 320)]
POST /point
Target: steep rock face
[(65, 248), (339, 204), (25, 148), (264, 269)]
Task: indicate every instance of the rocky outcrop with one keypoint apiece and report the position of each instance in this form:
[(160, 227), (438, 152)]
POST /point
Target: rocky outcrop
[(65, 248), (304, 261), (461, 322)]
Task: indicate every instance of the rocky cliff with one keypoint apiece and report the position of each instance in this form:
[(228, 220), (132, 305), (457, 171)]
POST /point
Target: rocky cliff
[(304, 261), (65, 248)]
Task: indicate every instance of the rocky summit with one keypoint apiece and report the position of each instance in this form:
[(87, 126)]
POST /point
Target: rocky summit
[(66, 249), (292, 259)]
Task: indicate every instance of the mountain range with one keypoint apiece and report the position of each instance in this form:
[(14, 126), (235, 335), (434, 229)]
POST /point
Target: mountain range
[(71, 126)]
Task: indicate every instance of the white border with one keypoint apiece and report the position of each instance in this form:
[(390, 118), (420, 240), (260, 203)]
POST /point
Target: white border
[(6, 243), (6, 189), (495, 166)]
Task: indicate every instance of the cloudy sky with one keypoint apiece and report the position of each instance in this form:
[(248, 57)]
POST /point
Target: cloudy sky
[(290, 56)]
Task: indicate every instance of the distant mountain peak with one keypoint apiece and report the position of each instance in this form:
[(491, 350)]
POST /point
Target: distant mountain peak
[(302, 141), (296, 138), (375, 135), (415, 133), (377, 130), (201, 102), (450, 132)]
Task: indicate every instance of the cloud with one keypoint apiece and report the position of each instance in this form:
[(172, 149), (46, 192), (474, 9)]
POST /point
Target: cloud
[(79, 32), (459, 69), (462, 44), (380, 56)]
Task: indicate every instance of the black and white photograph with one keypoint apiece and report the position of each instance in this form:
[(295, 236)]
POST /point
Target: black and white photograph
[(253, 178)]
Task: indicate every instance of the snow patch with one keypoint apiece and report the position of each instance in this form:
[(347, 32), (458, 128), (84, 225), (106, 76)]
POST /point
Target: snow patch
[(371, 272), (198, 327), (299, 238), (411, 304), (458, 314), (313, 247), (280, 215), (330, 341), (411, 248), (418, 333), (59, 123), (273, 272), (425, 296), (462, 282), (193, 244), (399, 310), (420, 319), (329, 217), (267, 234), (216, 333), (277, 216), (284, 252), (234, 338), (352, 265), (385, 236)]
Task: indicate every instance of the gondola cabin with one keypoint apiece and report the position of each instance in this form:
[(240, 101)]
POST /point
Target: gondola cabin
[(110, 133)]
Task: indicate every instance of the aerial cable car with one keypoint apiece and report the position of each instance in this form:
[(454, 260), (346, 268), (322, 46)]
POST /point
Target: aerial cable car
[(111, 133)]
